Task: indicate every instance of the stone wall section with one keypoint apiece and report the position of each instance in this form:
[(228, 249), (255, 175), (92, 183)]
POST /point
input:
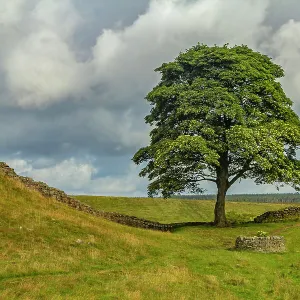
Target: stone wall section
[(261, 244), (288, 213), (61, 196)]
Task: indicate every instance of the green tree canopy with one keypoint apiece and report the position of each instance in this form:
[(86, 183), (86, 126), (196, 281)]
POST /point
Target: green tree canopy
[(219, 114)]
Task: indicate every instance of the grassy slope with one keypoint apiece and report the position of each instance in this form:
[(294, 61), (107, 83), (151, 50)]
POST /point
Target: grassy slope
[(40, 258), (174, 210)]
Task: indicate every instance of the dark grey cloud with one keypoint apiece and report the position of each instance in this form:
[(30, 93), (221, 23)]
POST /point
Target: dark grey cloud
[(279, 12), (102, 14), (109, 14), (66, 130)]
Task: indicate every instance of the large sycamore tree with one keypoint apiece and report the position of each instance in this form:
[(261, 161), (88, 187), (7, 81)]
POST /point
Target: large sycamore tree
[(219, 114)]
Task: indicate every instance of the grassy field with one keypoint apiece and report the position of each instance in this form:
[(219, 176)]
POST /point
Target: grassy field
[(175, 210), (49, 251)]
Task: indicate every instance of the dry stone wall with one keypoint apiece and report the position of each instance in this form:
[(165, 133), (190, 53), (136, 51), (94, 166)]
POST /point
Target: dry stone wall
[(261, 244), (288, 213), (61, 196)]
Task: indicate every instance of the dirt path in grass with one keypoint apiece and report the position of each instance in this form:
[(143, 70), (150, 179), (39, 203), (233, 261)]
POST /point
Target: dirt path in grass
[(280, 230)]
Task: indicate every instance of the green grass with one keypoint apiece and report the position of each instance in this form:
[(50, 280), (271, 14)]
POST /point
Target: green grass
[(41, 258), (174, 210)]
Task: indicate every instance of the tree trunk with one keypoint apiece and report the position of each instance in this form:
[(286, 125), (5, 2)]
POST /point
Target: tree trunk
[(220, 217), (223, 185)]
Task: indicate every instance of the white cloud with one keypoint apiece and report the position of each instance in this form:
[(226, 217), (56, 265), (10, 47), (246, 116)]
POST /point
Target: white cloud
[(69, 174), (126, 58), (19, 165), (57, 15), (11, 12), (75, 177), (42, 69), (285, 44)]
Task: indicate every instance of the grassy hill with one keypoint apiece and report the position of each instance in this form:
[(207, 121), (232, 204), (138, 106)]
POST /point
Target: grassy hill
[(50, 251)]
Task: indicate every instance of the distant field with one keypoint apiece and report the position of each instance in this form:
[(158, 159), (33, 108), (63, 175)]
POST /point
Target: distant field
[(174, 210), (51, 251), (261, 198)]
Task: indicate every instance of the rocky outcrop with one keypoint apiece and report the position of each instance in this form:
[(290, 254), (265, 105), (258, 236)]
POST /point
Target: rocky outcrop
[(261, 244), (61, 196), (289, 213)]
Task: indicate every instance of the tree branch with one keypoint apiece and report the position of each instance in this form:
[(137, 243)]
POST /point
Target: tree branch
[(211, 179), (204, 179), (240, 173), (207, 179)]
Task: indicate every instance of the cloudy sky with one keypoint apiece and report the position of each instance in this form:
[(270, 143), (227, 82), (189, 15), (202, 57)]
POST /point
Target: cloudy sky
[(74, 74)]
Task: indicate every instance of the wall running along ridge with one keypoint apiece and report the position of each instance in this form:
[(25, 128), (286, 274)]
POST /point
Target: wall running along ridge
[(61, 196), (288, 213), (261, 244)]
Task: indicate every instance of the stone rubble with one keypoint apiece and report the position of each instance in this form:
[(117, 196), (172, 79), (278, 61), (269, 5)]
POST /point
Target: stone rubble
[(288, 213)]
